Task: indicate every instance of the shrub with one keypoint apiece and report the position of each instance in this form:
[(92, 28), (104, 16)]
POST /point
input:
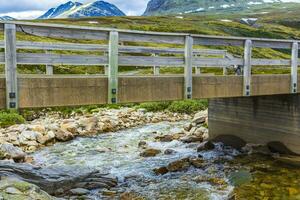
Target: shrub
[(188, 106), (8, 118), (154, 106)]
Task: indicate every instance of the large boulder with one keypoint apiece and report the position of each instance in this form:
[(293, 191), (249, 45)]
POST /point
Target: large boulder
[(63, 135), (200, 117), (9, 151)]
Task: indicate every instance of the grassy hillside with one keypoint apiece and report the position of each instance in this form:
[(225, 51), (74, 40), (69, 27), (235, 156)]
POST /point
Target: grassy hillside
[(281, 23)]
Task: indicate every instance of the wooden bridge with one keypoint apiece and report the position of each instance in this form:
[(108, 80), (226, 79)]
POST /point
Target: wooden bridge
[(105, 47), (256, 108)]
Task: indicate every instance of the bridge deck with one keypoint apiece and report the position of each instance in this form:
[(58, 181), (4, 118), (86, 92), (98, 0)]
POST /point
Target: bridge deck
[(61, 90), (113, 48)]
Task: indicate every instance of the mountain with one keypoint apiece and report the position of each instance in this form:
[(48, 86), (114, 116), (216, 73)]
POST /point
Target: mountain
[(6, 18), (54, 12), (77, 10), (165, 7)]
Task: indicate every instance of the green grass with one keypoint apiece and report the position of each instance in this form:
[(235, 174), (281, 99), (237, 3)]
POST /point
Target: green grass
[(8, 118), (184, 106)]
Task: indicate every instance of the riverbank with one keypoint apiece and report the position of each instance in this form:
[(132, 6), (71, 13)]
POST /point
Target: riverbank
[(51, 128)]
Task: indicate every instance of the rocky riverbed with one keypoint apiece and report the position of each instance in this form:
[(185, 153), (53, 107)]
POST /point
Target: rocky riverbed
[(17, 140), (168, 158)]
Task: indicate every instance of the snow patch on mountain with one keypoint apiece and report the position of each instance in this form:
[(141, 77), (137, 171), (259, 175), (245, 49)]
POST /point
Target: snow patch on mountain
[(77, 10)]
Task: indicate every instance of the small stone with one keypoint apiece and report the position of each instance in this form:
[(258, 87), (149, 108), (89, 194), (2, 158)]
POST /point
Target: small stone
[(150, 153), (142, 144), (109, 193), (188, 127), (197, 162), (191, 138), (165, 138), (179, 165), (206, 146), (79, 191), (169, 151), (12, 190), (161, 170)]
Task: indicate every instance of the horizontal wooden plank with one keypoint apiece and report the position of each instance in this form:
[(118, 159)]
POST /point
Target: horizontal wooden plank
[(54, 32), (59, 59), (150, 61), (60, 46), (259, 62), (136, 37)]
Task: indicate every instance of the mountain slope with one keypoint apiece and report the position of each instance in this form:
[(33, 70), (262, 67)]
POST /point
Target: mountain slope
[(54, 12), (6, 18), (77, 10), (164, 7)]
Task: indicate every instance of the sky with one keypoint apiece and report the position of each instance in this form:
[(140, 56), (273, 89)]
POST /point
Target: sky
[(29, 9)]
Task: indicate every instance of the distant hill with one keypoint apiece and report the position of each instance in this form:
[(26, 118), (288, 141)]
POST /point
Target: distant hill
[(6, 18), (77, 10), (165, 7)]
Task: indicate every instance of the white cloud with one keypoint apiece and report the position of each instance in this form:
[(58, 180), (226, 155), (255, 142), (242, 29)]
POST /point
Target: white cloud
[(31, 14), (33, 8)]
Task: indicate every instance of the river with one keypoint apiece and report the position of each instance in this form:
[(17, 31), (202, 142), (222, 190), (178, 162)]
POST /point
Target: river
[(224, 168)]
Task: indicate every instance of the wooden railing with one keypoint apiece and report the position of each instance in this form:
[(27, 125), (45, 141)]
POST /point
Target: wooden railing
[(114, 55)]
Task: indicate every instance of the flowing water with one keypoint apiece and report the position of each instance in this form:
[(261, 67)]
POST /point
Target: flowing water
[(118, 153)]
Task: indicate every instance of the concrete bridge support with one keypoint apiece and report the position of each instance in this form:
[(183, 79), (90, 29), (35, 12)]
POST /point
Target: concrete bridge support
[(260, 120)]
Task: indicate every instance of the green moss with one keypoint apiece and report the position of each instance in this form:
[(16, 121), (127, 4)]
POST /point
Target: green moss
[(8, 118)]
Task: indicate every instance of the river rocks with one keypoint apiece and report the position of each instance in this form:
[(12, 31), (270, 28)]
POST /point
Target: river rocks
[(169, 152), (8, 151), (206, 146), (142, 144), (179, 165), (197, 162), (63, 135), (12, 188), (150, 153), (200, 117), (50, 128), (165, 138), (79, 191), (161, 170), (191, 138)]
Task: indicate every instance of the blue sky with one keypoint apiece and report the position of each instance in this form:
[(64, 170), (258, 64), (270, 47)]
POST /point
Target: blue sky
[(33, 8)]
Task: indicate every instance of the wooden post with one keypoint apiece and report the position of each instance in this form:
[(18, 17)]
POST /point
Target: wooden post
[(156, 69), (106, 66), (113, 67), (49, 68), (247, 67), (11, 66), (198, 70), (225, 72), (294, 65), (188, 69)]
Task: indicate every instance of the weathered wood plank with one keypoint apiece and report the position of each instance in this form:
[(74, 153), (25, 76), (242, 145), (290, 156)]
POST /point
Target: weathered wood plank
[(54, 32), (135, 37), (113, 67), (294, 67), (11, 66), (59, 59), (247, 67), (150, 61), (2, 58), (188, 68)]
